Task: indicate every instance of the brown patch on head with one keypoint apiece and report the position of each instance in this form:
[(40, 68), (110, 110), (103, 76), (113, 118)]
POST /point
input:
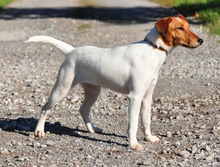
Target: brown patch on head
[(175, 31)]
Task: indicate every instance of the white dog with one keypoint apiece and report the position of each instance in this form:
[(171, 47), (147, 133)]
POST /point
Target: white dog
[(131, 69)]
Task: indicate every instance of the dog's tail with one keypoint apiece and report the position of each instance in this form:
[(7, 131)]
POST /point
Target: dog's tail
[(62, 46)]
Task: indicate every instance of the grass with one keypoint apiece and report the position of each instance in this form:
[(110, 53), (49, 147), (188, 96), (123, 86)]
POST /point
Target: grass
[(87, 3), (215, 29), (4, 3), (84, 27), (208, 11)]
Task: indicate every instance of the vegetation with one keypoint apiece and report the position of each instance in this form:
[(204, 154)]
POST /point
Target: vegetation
[(207, 11), (4, 3)]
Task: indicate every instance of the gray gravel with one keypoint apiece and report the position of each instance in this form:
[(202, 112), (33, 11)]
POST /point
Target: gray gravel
[(185, 112)]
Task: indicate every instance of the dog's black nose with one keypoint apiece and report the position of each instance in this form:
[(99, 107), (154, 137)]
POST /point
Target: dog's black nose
[(200, 41)]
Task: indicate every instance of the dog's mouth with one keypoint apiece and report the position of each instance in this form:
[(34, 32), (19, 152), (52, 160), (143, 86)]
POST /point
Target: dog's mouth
[(186, 46), (199, 42)]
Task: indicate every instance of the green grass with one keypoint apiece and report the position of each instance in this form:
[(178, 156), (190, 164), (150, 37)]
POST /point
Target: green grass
[(87, 3), (215, 29), (208, 10), (4, 3), (174, 3)]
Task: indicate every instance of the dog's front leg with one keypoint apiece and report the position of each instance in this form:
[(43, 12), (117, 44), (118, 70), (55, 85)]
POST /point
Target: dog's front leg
[(133, 115), (39, 131), (146, 113)]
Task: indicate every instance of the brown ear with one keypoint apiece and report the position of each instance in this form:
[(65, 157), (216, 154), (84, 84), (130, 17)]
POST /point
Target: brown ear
[(182, 17), (163, 25)]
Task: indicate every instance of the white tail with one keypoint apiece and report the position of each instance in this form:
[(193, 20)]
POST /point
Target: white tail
[(62, 46)]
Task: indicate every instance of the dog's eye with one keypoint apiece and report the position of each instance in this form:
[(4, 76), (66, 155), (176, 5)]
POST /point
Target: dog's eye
[(180, 28)]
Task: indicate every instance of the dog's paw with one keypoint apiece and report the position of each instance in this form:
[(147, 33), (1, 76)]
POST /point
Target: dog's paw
[(93, 129), (153, 139), (137, 147), (39, 133)]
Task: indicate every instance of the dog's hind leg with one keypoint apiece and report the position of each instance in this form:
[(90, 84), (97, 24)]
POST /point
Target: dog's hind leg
[(91, 95), (63, 85)]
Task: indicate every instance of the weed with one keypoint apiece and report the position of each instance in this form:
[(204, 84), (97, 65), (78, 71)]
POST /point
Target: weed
[(88, 3), (4, 3), (208, 11), (84, 26), (214, 29)]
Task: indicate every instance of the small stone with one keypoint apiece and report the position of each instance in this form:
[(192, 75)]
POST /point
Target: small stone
[(14, 143), (177, 144), (178, 133), (5, 151), (194, 149), (154, 118), (145, 163), (200, 155), (209, 158), (164, 152), (43, 146), (184, 153), (197, 156), (30, 139), (19, 144), (169, 134), (14, 113), (50, 143), (21, 159), (203, 127), (49, 152), (36, 144), (208, 148), (43, 100), (203, 144), (89, 156), (208, 84)]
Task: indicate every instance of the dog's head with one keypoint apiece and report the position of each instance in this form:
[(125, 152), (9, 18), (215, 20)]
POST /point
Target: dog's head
[(175, 31)]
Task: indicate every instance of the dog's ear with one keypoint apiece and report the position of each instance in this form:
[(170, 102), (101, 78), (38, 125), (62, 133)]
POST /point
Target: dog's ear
[(163, 25)]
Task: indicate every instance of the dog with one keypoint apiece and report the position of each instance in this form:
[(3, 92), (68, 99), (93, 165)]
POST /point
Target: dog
[(131, 69)]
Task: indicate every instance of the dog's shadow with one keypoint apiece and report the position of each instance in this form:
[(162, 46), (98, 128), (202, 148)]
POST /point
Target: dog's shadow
[(25, 125)]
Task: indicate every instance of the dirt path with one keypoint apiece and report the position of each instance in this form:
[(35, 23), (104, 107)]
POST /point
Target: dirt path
[(186, 100), (43, 4)]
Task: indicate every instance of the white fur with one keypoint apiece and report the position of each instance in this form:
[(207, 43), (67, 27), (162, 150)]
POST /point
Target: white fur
[(178, 19), (131, 69), (62, 46), (152, 37)]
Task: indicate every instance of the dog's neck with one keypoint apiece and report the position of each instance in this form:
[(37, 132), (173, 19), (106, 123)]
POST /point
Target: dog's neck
[(153, 38)]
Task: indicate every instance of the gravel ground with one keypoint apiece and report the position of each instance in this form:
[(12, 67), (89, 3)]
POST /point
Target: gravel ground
[(185, 112)]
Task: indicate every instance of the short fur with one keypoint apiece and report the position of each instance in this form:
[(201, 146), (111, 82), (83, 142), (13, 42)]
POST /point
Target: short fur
[(130, 69)]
